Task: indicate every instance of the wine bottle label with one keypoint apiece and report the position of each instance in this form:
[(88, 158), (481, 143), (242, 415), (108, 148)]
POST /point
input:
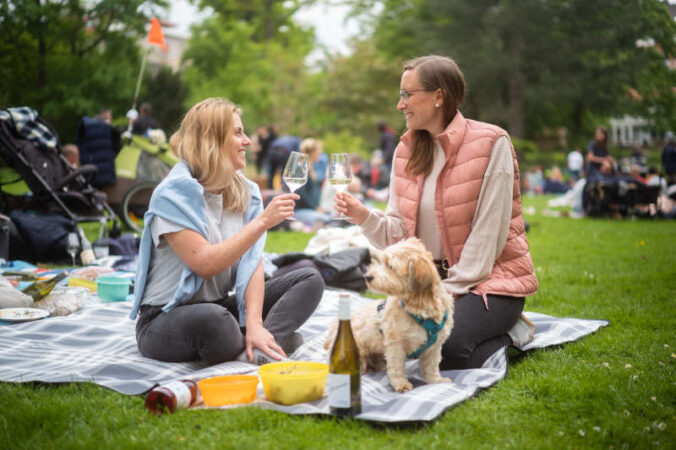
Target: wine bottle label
[(182, 393), (339, 390)]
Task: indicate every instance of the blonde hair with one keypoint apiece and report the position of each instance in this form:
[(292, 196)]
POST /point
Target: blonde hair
[(435, 72), (202, 143), (310, 145)]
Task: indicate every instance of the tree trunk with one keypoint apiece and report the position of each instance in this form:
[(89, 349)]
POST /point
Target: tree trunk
[(269, 25), (516, 103), (577, 118), (41, 80), (516, 119)]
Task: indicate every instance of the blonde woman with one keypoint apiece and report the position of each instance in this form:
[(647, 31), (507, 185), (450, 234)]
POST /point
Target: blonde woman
[(203, 238)]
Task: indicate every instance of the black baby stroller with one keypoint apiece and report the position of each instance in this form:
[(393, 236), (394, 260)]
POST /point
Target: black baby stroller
[(128, 175), (36, 176), (619, 196)]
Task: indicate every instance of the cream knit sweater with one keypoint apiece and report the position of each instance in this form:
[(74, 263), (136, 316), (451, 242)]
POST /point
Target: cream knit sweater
[(490, 225)]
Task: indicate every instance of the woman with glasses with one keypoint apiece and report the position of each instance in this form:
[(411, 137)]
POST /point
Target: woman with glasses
[(455, 186), (203, 238)]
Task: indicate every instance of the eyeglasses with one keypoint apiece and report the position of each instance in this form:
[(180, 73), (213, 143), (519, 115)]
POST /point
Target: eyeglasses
[(406, 95)]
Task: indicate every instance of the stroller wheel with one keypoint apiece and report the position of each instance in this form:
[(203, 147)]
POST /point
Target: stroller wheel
[(135, 204)]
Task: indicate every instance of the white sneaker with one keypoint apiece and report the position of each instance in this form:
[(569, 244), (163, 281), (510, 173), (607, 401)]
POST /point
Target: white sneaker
[(523, 332), (259, 358)]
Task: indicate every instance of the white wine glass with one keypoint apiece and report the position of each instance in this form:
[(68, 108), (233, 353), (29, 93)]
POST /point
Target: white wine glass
[(295, 172), (72, 245), (339, 174)]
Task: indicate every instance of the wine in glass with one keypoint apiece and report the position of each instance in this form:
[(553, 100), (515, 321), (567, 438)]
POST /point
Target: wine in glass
[(72, 245), (295, 171), (340, 175)]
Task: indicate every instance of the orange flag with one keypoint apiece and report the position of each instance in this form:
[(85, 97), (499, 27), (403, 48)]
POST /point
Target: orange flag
[(156, 36)]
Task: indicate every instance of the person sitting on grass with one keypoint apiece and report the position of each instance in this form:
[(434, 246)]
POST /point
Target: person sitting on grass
[(455, 186), (203, 237)]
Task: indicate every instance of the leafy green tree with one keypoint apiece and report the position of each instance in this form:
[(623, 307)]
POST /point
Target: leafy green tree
[(359, 90), (532, 63), (253, 53), (167, 93), (69, 58)]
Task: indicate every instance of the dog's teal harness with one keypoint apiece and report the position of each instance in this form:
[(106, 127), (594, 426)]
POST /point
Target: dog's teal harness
[(431, 328)]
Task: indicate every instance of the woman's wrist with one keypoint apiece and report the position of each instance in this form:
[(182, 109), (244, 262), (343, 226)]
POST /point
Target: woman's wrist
[(254, 323), (363, 214), (260, 224)]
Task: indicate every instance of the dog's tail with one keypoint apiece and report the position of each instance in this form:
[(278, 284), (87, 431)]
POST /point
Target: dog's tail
[(331, 336)]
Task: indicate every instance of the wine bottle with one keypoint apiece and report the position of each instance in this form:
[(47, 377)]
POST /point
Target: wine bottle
[(87, 254), (171, 396), (40, 289), (25, 276), (344, 376)]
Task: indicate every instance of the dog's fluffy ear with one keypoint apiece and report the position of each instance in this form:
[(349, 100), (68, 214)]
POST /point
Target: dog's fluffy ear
[(420, 274), (376, 255)]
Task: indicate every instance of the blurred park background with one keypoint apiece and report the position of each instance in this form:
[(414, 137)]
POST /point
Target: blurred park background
[(547, 71)]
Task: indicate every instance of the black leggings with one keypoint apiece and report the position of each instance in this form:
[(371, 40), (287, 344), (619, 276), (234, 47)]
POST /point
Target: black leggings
[(479, 332), (210, 331)]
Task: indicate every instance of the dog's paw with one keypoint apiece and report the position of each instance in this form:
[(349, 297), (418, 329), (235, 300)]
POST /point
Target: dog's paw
[(401, 385), (440, 380)]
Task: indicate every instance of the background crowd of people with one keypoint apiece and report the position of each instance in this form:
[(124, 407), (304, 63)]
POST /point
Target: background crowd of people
[(597, 183), (314, 209), (583, 170)]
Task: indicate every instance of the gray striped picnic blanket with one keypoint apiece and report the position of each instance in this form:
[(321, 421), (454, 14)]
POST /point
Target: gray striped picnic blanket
[(98, 344)]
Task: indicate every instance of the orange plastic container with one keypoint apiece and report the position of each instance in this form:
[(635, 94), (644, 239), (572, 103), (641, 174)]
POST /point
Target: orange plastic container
[(228, 389)]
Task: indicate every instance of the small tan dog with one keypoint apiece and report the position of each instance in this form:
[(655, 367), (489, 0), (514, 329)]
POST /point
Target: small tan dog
[(414, 321)]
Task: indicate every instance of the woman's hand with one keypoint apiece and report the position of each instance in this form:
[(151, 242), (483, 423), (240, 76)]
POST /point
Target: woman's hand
[(260, 338), (351, 207), (280, 208)]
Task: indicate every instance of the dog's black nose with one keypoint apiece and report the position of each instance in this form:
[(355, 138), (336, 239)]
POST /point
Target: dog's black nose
[(369, 278)]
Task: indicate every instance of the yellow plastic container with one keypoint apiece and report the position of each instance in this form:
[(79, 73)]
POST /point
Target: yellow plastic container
[(292, 382), (82, 282), (228, 389)]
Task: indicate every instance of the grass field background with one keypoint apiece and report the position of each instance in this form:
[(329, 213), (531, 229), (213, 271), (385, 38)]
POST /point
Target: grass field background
[(613, 389)]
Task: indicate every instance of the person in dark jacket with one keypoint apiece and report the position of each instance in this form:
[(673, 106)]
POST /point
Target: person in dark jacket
[(279, 152), (387, 143), (99, 143), (144, 121), (669, 161), (597, 151)]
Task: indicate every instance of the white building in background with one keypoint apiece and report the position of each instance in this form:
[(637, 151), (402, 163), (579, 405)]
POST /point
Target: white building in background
[(628, 131)]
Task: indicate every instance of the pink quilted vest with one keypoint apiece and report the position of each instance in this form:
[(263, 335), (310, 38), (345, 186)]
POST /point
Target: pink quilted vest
[(467, 144)]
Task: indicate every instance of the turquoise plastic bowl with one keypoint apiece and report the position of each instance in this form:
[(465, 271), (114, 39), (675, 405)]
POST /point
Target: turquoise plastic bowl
[(112, 289)]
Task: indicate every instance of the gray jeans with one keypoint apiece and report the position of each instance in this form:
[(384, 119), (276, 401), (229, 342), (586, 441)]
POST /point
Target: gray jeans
[(210, 331), (479, 332)]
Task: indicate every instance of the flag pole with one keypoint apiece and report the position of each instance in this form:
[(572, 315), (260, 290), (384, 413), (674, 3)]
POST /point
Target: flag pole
[(138, 84), (140, 76), (155, 36)]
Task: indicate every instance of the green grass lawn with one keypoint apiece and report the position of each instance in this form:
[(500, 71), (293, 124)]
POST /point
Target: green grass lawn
[(614, 389)]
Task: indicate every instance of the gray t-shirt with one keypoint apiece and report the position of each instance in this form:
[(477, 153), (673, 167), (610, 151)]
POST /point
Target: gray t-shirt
[(164, 272)]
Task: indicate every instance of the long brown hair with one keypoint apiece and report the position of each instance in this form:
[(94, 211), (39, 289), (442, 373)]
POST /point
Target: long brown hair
[(604, 142), (435, 72), (202, 141)]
